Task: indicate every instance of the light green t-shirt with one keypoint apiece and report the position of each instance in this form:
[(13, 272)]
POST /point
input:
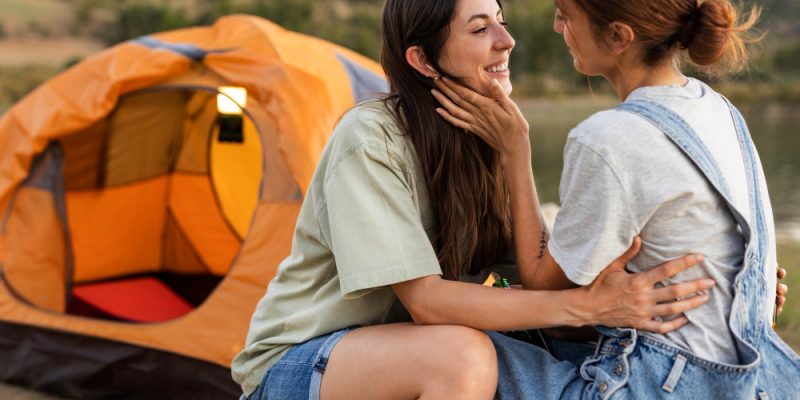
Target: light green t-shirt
[(365, 224)]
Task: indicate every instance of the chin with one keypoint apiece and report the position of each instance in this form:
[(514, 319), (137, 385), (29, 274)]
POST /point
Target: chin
[(507, 87)]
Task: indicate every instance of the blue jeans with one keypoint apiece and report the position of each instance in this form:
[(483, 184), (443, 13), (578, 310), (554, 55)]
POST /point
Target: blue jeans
[(298, 374)]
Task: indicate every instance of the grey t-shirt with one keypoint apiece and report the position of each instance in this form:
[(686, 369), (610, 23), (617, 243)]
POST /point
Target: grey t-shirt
[(623, 176)]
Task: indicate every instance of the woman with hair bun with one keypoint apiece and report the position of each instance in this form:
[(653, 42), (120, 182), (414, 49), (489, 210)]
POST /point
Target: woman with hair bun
[(403, 212), (674, 164)]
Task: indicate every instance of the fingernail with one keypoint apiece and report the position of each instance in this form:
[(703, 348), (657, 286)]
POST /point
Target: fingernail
[(711, 282), (697, 258)]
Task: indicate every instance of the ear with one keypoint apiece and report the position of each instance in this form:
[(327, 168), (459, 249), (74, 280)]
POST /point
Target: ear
[(622, 37), (415, 57)]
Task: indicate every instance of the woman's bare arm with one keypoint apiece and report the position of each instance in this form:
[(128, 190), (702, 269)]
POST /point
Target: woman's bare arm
[(500, 123), (615, 298)]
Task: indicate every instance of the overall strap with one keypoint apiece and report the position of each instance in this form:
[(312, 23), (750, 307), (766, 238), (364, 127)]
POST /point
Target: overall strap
[(680, 133), (747, 315), (751, 168)]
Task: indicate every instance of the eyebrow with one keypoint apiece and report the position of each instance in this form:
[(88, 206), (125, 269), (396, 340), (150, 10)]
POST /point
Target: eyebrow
[(482, 16)]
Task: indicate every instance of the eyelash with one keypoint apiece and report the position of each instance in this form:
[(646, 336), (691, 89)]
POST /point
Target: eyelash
[(484, 29)]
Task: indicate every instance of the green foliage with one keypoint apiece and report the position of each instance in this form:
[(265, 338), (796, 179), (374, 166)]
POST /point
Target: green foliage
[(540, 64), (360, 31), (39, 29), (787, 58), (134, 20), (294, 15), (789, 321), (16, 82)]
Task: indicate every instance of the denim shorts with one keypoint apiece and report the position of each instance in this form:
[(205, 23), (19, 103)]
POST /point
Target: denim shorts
[(298, 374)]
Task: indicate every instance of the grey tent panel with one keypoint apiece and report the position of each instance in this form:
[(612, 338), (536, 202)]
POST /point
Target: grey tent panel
[(187, 50), (366, 84)]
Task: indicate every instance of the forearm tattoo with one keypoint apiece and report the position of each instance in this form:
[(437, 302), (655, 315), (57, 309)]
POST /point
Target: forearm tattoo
[(543, 243)]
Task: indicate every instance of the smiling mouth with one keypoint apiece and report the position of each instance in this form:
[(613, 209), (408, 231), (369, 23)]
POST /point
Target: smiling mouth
[(498, 68)]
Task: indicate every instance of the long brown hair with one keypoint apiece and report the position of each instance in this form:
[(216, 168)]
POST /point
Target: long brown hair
[(710, 30), (465, 183)]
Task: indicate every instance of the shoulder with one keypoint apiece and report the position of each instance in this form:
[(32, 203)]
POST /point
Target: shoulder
[(366, 123), (370, 130), (372, 125), (612, 129)]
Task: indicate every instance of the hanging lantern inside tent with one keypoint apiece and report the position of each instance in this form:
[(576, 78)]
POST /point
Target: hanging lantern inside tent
[(230, 104)]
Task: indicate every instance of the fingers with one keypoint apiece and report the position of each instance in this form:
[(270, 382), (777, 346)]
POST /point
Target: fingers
[(663, 326), (465, 98), (451, 107), (678, 307), (780, 299), (781, 273), (500, 95), (453, 120), (672, 268), (680, 290), (782, 289)]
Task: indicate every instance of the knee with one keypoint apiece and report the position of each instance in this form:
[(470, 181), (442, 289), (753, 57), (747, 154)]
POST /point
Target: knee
[(472, 366)]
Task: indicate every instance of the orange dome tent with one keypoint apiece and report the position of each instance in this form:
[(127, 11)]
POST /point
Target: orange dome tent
[(146, 197)]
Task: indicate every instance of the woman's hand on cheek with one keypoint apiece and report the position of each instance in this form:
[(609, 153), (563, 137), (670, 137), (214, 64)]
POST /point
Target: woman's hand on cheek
[(622, 299), (497, 120)]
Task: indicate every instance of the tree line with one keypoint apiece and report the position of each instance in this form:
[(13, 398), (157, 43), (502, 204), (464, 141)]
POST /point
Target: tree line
[(540, 63)]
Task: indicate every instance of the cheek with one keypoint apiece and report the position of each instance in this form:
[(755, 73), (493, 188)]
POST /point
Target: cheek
[(462, 58)]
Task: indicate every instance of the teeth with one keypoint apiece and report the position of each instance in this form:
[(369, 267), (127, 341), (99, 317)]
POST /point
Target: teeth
[(498, 68)]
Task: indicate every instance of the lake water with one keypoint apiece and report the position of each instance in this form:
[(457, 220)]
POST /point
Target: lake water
[(775, 130)]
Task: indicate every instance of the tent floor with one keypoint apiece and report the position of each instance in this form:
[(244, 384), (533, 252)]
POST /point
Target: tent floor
[(124, 295)]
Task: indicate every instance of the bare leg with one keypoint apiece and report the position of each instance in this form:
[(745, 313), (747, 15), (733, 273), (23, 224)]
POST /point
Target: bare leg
[(404, 361)]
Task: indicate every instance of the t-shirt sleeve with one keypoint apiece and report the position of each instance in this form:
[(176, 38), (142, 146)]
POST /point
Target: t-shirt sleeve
[(376, 231), (595, 224)]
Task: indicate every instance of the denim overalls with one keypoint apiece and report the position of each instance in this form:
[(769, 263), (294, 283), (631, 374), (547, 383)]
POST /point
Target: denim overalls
[(627, 365)]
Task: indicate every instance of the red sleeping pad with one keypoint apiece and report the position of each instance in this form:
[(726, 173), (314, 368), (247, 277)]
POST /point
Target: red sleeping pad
[(144, 299)]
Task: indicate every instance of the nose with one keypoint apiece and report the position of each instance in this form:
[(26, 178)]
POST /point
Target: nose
[(504, 40), (558, 23)]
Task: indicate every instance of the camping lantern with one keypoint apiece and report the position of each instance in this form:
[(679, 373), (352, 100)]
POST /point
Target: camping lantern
[(230, 102)]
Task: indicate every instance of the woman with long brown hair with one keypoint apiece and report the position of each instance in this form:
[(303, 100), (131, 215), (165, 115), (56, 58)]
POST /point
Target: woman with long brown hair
[(402, 210), (674, 164)]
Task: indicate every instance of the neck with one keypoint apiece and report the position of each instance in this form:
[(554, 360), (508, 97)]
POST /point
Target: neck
[(628, 77)]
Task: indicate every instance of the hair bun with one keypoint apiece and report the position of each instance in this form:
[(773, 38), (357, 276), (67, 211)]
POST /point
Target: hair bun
[(712, 28)]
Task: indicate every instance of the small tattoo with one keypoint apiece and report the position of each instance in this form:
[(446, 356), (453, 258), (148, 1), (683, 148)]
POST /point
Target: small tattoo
[(542, 243)]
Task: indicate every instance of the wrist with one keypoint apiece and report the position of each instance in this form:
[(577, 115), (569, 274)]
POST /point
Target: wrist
[(578, 310), (519, 160)]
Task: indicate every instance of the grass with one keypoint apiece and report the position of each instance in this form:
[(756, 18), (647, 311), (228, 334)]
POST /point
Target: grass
[(24, 11), (789, 321)]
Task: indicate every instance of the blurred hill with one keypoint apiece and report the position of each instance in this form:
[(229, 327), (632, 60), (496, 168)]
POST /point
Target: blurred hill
[(38, 38)]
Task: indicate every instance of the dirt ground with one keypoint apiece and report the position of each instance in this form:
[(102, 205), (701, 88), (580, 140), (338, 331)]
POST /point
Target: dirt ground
[(54, 51)]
